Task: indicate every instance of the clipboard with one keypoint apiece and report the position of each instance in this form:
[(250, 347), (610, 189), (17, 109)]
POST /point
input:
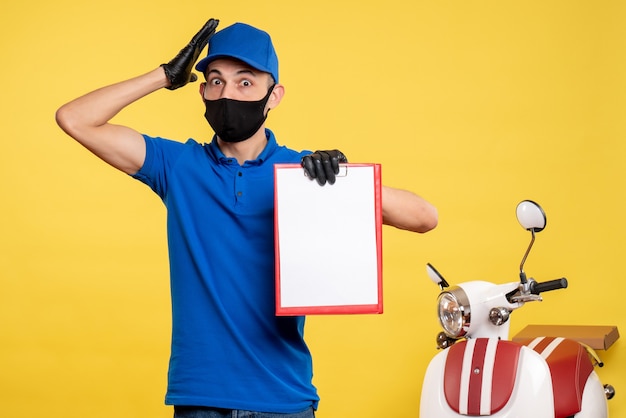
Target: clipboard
[(328, 241)]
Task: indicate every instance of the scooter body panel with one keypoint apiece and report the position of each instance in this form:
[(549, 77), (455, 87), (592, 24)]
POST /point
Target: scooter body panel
[(531, 395), (594, 402)]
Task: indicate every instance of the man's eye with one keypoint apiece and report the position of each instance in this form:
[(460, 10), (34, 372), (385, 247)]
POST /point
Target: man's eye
[(246, 83), (215, 82)]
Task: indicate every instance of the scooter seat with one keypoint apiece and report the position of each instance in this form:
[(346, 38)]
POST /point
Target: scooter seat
[(570, 367)]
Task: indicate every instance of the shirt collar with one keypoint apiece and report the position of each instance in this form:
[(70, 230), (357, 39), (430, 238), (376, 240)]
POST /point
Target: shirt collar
[(215, 151)]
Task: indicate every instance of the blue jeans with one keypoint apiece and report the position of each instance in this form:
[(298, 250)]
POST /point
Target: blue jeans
[(205, 412)]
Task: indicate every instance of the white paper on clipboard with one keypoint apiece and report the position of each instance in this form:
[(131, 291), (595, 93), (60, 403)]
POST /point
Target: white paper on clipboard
[(328, 241)]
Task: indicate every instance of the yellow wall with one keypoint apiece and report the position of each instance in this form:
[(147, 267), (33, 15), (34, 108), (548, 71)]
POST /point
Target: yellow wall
[(475, 105)]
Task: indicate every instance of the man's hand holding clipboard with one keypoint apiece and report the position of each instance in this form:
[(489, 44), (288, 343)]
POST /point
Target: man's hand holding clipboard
[(323, 165)]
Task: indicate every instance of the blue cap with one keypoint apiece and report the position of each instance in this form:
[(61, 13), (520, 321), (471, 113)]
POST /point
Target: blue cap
[(245, 43)]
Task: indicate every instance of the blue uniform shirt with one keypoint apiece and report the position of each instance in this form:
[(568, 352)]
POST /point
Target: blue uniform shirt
[(229, 349)]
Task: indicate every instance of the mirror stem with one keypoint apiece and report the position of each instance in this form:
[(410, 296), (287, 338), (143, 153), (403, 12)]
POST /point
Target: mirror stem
[(522, 275)]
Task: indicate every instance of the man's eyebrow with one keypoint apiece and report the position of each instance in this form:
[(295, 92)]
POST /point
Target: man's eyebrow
[(247, 71), (239, 72)]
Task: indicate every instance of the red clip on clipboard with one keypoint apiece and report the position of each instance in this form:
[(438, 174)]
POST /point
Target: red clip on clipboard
[(328, 242)]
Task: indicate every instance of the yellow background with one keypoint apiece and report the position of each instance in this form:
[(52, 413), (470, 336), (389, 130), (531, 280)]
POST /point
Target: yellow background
[(475, 105)]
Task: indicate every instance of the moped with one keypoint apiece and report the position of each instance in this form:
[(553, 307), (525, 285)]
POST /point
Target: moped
[(481, 372)]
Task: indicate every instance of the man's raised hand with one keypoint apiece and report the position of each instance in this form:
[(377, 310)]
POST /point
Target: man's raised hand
[(178, 70)]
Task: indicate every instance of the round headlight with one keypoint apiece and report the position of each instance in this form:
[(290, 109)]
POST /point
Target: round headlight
[(454, 312)]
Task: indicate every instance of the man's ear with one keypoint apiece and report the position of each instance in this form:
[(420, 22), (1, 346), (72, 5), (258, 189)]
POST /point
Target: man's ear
[(277, 95), (202, 87)]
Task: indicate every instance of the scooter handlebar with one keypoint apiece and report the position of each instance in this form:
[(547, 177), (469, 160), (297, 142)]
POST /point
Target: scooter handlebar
[(537, 288)]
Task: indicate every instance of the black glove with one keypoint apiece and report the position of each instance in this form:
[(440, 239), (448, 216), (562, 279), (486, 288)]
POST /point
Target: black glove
[(178, 70), (323, 165)]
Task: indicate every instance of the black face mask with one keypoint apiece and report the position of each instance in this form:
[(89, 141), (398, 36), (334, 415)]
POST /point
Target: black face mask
[(236, 120)]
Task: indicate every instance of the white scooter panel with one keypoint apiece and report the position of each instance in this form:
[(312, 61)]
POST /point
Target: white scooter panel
[(487, 377)]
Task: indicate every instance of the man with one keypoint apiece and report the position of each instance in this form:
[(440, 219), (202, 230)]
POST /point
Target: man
[(230, 352)]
